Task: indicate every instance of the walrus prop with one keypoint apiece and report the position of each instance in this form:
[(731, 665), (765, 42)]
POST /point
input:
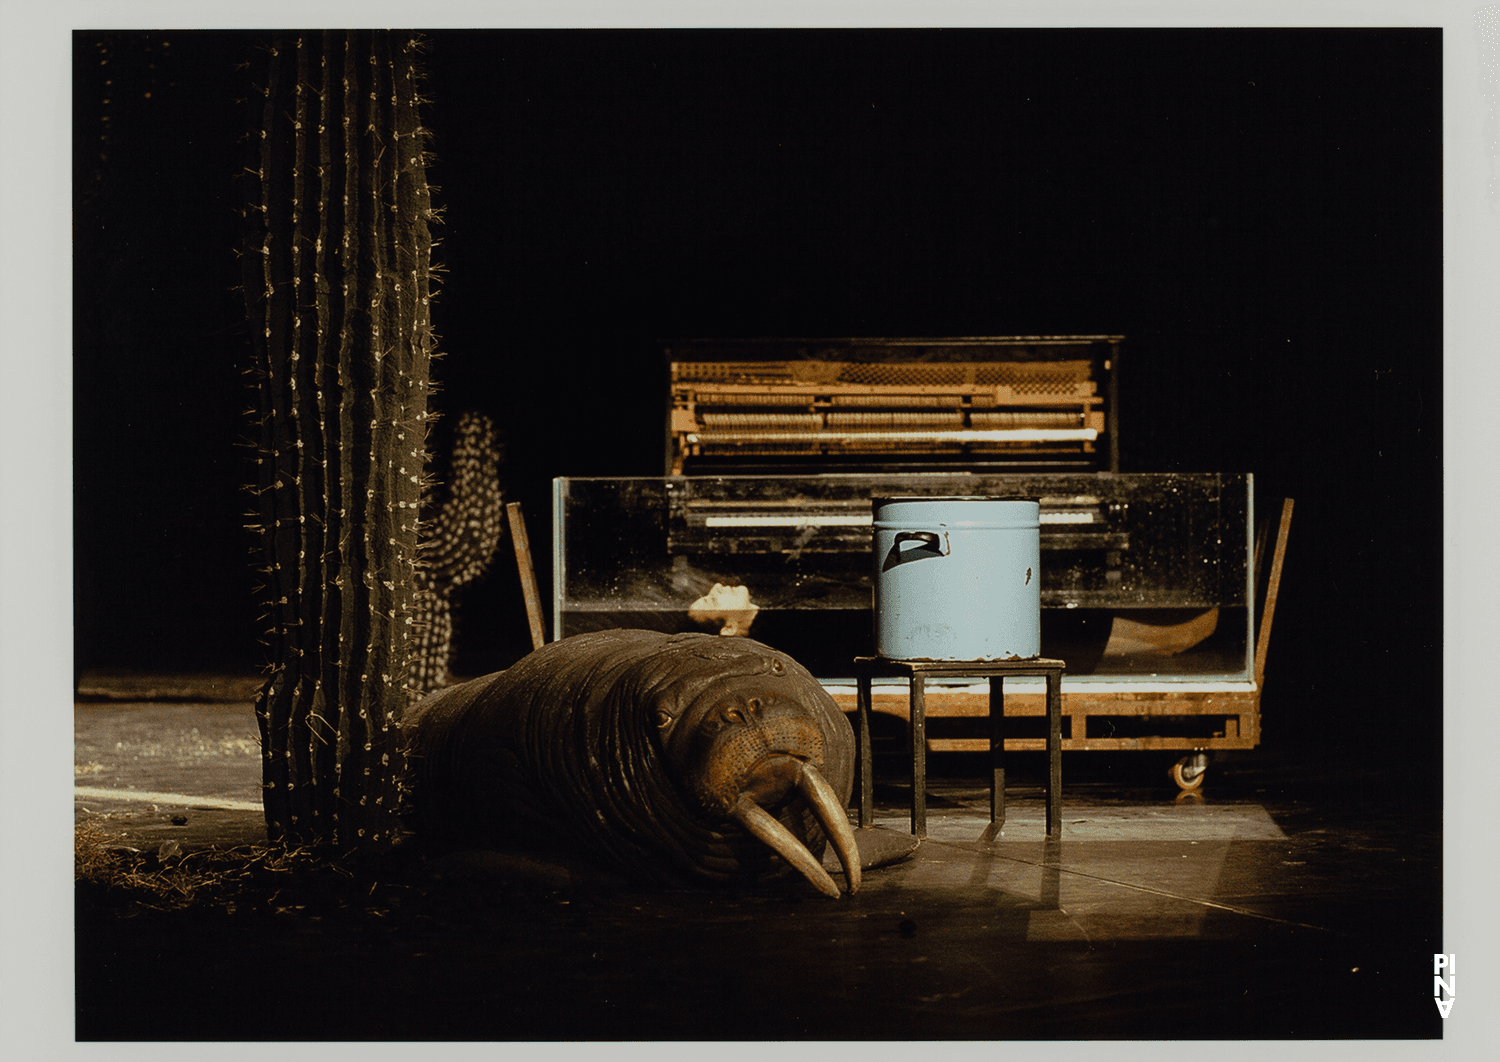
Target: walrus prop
[(683, 759)]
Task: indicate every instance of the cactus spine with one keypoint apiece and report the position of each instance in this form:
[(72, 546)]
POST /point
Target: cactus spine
[(465, 531), (337, 271)]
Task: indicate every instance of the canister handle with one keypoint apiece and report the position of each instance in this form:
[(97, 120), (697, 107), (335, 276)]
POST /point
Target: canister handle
[(932, 538)]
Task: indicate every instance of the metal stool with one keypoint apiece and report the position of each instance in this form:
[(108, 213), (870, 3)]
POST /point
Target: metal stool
[(916, 673)]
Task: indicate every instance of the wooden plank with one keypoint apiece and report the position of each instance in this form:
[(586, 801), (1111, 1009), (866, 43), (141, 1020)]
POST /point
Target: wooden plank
[(1238, 713), (1146, 743), (1263, 643), (528, 574), (968, 705)]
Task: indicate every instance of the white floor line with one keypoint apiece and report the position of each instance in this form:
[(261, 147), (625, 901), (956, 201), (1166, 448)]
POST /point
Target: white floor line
[(144, 796)]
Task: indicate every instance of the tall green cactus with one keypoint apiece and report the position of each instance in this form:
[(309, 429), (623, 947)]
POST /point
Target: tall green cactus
[(463, 534), (337, 272)]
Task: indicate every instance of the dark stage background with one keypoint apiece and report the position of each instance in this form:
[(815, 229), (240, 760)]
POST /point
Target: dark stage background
[(1258, 211)]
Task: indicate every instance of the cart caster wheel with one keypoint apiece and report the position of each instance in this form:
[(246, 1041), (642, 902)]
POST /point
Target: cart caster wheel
[(1188, 772)]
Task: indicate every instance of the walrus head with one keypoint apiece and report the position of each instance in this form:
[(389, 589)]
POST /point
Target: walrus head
[(750, 745)]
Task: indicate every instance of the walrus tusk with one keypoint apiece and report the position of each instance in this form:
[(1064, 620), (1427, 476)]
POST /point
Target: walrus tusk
[(760, 823), (826, 806)]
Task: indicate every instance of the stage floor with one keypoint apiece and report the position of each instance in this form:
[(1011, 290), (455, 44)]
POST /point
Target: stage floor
[(1281, 902)]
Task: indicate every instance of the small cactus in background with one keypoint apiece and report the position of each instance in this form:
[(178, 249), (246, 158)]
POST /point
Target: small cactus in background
[(337, 274), (464, 533)]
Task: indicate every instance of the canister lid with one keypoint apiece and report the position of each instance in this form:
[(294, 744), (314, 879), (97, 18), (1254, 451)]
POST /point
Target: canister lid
[(957, 510), (878, 502)]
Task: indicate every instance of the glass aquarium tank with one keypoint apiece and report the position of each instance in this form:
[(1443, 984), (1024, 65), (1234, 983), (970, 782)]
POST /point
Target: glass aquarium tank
[(1144, 577)]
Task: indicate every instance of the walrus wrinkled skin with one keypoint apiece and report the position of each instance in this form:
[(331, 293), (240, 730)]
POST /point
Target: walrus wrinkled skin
[(685, 759)]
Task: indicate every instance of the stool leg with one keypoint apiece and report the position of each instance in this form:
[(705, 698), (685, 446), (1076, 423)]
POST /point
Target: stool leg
[(866, 755), (1054, 754), (918, 756), (997, 750)]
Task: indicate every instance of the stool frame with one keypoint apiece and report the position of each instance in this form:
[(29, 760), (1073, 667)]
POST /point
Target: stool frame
[(917, 672)]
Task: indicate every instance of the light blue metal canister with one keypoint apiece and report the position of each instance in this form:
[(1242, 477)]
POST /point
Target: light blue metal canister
[(957, 578)]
